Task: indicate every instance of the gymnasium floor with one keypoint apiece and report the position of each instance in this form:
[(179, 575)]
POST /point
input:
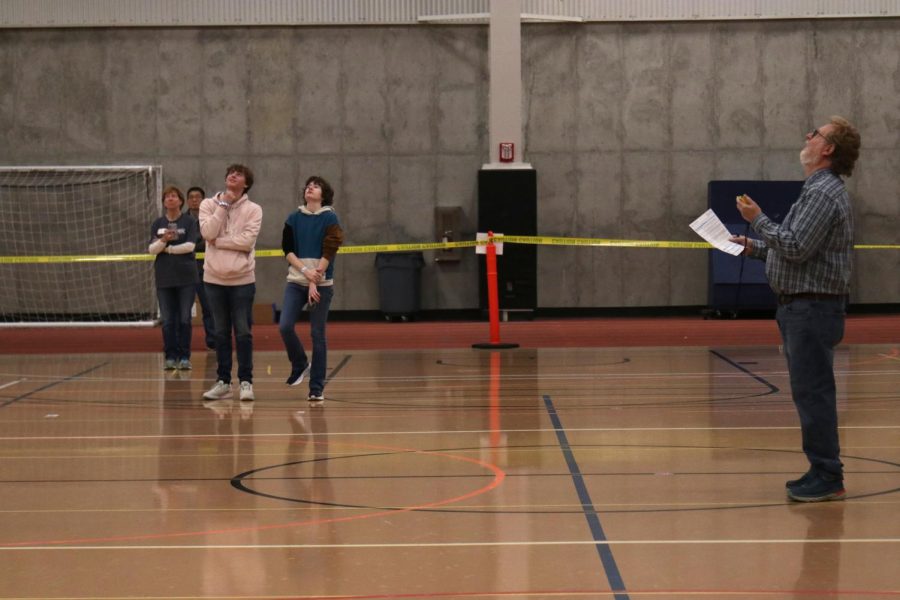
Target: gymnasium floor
[(649, 470)]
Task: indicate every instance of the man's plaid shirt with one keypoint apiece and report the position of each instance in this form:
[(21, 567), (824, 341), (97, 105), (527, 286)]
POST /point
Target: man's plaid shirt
[(810, 252)]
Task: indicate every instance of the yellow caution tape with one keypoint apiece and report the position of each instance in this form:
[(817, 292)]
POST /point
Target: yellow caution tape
[(876, 247), (7, 260), (599, 242), (368, 249), (389, 248)]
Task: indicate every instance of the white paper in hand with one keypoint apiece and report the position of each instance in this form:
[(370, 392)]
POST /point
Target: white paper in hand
[(710, 228)]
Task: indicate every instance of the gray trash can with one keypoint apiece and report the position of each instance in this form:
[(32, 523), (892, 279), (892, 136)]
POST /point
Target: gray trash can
[(399, 283)]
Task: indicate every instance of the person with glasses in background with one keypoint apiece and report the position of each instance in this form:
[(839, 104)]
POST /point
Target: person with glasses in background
[(195, 196), (808, 265)]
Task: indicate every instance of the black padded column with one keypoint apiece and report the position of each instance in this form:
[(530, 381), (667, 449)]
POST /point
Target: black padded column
[(507, 203)]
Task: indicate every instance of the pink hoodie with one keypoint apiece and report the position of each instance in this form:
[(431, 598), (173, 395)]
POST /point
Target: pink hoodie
[(231, 260)]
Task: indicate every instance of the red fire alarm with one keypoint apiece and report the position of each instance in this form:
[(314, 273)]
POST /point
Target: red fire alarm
[(507, 151)]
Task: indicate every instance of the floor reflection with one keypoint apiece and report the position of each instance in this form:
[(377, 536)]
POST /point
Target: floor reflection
[(820, 568)]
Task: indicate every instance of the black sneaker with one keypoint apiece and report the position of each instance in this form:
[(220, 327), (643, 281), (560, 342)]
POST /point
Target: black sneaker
[(297, 377), (316, 399), (817, 489), (792, 483)]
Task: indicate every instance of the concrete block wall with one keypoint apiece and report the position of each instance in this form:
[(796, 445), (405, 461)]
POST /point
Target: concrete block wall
[(625, 124)]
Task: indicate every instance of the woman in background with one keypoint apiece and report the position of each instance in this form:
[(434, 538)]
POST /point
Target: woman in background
[(173, 239)]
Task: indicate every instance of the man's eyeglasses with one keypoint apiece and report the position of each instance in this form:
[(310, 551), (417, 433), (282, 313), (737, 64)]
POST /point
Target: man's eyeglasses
[(816, 132)]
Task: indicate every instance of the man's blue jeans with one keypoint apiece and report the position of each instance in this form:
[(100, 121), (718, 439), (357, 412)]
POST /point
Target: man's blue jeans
[(295, 296), (232, 308), (810, 329), (175, 310)]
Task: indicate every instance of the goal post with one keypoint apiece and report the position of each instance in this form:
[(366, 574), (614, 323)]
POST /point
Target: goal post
[(73, 244)]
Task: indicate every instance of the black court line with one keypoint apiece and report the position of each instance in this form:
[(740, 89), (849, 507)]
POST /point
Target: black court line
[(613, 576), (773, 389), (52, 384)]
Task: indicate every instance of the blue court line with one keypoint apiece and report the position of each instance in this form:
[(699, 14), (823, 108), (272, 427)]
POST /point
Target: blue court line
[(590, 513), (338, 368)]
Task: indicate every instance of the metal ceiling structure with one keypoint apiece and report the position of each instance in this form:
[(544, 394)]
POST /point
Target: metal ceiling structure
[(251, 13)]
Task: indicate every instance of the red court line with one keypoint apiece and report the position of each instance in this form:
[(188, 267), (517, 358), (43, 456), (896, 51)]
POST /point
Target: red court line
[(499, 476), (542, 333), (837, 593), (604, 593)]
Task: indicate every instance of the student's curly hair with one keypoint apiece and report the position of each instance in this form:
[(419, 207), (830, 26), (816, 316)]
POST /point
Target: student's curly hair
[(245, 171), (846, 140)]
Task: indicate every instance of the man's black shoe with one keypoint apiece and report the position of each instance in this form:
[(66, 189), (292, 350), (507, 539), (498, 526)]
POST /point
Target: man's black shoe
[(817, 489), (791, 483)]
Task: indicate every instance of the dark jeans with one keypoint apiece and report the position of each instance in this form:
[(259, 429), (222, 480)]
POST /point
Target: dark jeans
[(232, 308), (175, 310), (209, 327), (295, 296), (810, 330)]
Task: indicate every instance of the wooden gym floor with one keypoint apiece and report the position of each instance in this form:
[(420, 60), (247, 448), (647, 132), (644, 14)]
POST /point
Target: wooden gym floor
[(643, 469)]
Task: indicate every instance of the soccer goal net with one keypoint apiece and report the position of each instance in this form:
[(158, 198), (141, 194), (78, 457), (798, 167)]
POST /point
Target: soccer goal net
[(73, 244)]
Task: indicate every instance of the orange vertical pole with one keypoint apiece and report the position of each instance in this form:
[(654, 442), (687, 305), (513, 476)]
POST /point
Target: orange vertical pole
[(493, 301), (493, 298)]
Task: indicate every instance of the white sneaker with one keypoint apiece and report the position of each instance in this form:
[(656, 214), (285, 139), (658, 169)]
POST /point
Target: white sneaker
[(247, 392), (219, 390)]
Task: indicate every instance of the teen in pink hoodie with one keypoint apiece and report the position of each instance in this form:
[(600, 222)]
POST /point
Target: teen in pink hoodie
[(230, 224)]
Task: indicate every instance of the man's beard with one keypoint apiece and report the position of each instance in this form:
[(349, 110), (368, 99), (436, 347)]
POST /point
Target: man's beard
[(805, 158)]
